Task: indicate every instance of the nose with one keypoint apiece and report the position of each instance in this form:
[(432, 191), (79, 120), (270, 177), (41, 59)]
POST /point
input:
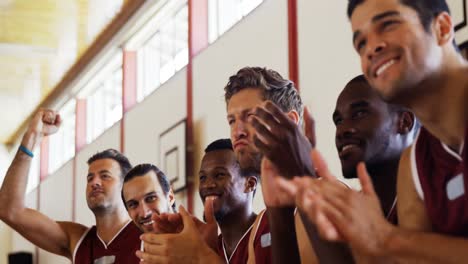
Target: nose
[(95, 182), (345, 130), (375, 46), (208, 183), (239, 129), (143, 210)]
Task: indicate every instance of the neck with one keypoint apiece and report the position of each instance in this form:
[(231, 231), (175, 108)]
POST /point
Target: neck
[(441, 103), (110, 222), (234, 225), (384, 177)]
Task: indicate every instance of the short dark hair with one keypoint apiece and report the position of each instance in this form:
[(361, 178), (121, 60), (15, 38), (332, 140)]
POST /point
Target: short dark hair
[(220, 144), (427, 9), (142, 169), (226, 144), (274, 87), (113, 154)]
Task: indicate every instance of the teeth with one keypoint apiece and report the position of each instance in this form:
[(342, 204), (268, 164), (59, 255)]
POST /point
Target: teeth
[(148, 223), (384, 67), (346, 147)]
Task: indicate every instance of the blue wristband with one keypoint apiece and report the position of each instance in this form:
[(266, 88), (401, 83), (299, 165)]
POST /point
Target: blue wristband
[(26, 151)]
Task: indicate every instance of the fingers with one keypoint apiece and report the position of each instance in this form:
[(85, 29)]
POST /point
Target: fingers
[(365, 179), (262, 131), (186, 219), (317, 210), (149, 258), (156, 239), (167, 223), (278, 113), (309, 125), (321, 165), (287, 186)]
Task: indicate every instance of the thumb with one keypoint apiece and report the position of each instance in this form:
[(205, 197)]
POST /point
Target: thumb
[(209, 211), (365, 180), (186, 219), (322, 167)]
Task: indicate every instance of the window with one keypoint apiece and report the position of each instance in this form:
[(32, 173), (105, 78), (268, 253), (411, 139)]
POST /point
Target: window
[(165, 52), (103, 95), (223, 14), (62, 144)]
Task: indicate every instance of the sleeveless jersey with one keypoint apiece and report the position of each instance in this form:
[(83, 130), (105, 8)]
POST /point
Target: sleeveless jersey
[(120, 250), (440, 178), (262, 244)]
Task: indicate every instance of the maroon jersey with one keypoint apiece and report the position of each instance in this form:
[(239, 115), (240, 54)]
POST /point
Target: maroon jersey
[(262, 244), (120, 250), (440, 178)]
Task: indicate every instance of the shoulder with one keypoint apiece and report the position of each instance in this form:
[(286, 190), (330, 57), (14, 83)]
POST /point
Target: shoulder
[(75, 233)]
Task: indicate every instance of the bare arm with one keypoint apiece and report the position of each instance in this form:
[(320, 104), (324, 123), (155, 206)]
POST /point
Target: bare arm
[(412, 242), (33, 225)]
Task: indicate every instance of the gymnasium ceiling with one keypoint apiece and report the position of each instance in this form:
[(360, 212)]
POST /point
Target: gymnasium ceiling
[(39, 41)]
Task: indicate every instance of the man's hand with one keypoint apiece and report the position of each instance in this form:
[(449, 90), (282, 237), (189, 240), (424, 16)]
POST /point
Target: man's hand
[(342, 214), (273, 195), (172, 223), (281, 140), (44, 123), (187, 246)]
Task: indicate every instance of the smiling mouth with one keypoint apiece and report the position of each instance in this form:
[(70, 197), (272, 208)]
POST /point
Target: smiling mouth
[(382, 68), (348, 149), (147, 223)]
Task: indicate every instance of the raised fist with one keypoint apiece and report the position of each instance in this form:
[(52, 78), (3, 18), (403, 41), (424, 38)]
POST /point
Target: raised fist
[(45, 122)]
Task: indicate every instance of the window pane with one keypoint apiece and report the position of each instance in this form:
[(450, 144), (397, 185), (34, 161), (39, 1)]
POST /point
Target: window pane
[(165, 52), (223, 14)]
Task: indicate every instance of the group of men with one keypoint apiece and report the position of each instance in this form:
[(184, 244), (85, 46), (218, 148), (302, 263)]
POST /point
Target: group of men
[(412, 206)]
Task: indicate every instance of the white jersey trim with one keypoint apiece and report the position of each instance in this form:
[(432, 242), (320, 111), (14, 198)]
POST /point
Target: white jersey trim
[(228, 260), (120, 231), (414, 169), (451, 152), (79, 243)]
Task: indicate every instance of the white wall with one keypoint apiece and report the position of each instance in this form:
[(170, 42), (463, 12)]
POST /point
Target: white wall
[(110, 139), (327, 62), (458, 12), (155, 114), (261, 39), (56, 202)]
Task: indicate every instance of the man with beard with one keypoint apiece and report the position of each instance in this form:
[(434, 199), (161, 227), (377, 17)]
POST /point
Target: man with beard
[(221, 178), (114, 238), (408, 56), (370, 130), (245, 92), (367, 129), (147, 191)]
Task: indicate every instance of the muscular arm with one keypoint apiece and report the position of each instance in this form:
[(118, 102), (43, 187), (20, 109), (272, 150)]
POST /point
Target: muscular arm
[(412, 242), (34, 226)]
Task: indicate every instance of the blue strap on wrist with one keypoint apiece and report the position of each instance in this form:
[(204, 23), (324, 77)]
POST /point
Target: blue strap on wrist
[(26, 151)]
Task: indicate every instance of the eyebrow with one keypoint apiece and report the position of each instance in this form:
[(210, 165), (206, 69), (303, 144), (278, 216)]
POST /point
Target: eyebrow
[(359, 104), (242, 112), (376, 19), (144, 196)]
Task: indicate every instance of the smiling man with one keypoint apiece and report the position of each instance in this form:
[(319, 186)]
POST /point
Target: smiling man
[(370, 130), (146, 191), (408, 56), (221, 178), (113, 238)]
